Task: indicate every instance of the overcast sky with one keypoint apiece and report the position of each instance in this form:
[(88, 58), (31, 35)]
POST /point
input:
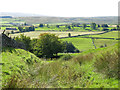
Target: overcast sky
[(63, 8)]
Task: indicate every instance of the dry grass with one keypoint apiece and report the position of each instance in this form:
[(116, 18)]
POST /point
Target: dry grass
[(35, 34)]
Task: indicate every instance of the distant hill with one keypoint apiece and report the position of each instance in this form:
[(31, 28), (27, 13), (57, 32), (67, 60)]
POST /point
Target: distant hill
[(53, 20), (5, 16), (37, 19)]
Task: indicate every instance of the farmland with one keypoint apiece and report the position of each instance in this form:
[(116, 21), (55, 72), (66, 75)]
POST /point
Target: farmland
[(87, 67), (35, 34)]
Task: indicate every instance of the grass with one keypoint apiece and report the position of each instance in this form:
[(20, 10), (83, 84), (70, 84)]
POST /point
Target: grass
[(84, 44), (76, 72), (35, 34), (16, 61), (113, 34)]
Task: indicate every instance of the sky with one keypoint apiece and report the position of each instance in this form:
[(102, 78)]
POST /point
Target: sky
[(62, 8)]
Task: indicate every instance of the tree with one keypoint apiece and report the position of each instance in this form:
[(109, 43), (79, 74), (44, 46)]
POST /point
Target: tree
[(41, 25), (31, 28), (24, 39), (25, 24), (117, 27), (98, 25), (68, 26), (48, 25), (84, 26), (47, 45), (26, 29), (69, 34), (104, 25), (70, 48), (57, 26), (20, 28), (93, 25)]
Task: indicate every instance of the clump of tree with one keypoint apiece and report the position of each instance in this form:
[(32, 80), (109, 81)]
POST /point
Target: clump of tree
[(41, 25), (93, 25), (98, 25), (57, 26), (104, 25), (68, 26), (84, 25), (20, 28), (47, 45), (24, 39), (70, 48)]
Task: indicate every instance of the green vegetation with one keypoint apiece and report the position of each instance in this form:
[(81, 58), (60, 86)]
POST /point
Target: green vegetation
[(47, 45), (72, 72), (16, 62), (82, 61), (113, 34)]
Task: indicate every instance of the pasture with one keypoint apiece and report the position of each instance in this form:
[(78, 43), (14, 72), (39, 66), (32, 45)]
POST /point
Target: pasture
[(84, 44), (35, 34), (113, 34)]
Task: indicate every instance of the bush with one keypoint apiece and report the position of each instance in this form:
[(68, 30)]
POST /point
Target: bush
[(107, 63), (24, 39), (70, 48), (66, 57)]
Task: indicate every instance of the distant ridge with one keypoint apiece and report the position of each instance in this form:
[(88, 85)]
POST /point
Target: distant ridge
[(5, 16)]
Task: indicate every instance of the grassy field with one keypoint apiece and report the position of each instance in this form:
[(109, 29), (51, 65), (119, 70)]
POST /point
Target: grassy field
[(35, 34), (84, 44), (113, 34)]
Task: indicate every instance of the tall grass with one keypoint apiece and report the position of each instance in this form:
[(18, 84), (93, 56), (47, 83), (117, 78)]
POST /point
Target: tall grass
[(107, 63)]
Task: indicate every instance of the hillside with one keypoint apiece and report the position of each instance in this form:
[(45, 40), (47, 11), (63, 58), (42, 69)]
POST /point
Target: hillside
[(17, 62), (53, 20), (28, 71)]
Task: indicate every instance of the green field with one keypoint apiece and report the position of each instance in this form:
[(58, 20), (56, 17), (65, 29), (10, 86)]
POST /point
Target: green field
[(113, 34), (86, 43)]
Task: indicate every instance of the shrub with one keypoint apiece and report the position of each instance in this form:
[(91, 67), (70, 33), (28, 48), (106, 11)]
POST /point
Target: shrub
[(70, 48), (107, 63), (66, 57), (24, 39)]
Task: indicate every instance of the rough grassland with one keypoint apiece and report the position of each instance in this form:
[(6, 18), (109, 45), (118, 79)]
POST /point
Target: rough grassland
[(78, 72), (16, 61)]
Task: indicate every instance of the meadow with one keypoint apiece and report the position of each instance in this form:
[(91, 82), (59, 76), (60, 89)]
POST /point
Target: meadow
[(113, 34), (84, 44), (35, 34)]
